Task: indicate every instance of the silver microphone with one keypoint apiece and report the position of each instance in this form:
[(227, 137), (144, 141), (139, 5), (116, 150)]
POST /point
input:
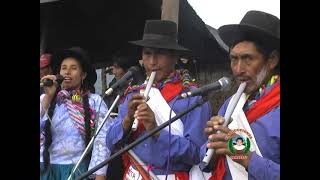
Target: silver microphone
[(222, 84)]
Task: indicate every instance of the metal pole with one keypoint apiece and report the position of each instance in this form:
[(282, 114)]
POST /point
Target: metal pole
[(170, 10), (103, 80), (93, 138)]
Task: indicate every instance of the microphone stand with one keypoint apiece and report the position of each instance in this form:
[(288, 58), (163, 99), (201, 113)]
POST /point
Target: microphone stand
[(141, 139), (94, 137)]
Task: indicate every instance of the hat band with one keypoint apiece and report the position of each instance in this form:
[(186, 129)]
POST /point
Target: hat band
[(158, 37)]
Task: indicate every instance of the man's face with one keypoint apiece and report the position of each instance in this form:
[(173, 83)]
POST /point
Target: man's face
[(159, 60), (45, 71), (117, 71), (239, 142), (248, 65)]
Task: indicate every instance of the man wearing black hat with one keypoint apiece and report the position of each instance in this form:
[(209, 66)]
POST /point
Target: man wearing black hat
[(254, 59), (159, 54)]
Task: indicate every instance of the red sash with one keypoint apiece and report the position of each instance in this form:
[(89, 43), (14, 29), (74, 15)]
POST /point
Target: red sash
[(265, 104), (169, 91), (260, 108)]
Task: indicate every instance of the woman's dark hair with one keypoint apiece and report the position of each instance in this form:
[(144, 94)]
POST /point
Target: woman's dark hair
[(47, 126), (48, 134), (87, 118)]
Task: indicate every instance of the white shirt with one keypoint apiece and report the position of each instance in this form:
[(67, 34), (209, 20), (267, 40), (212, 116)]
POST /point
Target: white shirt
[(237, 147), (67, 143)]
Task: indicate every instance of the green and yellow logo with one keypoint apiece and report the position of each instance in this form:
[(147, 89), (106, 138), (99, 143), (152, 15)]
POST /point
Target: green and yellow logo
[(239, 143)]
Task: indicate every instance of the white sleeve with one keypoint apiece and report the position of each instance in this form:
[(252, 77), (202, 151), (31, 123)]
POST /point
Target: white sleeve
[(100, 151), (44, 117)]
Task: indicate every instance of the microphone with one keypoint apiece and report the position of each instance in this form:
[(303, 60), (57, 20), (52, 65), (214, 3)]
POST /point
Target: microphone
[(221, 84), (131, 71), (49, 82)]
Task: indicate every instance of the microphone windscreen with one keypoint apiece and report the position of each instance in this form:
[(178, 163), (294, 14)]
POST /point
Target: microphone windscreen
[(59, 78)]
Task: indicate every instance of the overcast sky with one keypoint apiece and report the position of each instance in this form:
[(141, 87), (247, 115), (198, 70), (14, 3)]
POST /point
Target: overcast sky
[(221, 12)]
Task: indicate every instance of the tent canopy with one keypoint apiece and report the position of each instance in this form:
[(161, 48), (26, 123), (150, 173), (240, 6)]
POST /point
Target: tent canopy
[(104, 27)]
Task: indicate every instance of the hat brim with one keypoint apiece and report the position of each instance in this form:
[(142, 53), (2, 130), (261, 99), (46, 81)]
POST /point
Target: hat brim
[(159, 44), (234, 33), (57, 58)]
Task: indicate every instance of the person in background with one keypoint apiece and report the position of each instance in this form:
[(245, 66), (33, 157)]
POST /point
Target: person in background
[(45, 67), (120, 65)]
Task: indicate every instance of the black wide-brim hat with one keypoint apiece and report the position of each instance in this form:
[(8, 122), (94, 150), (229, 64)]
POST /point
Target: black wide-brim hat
[(160, 34), (255, 25), (82, 56)]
